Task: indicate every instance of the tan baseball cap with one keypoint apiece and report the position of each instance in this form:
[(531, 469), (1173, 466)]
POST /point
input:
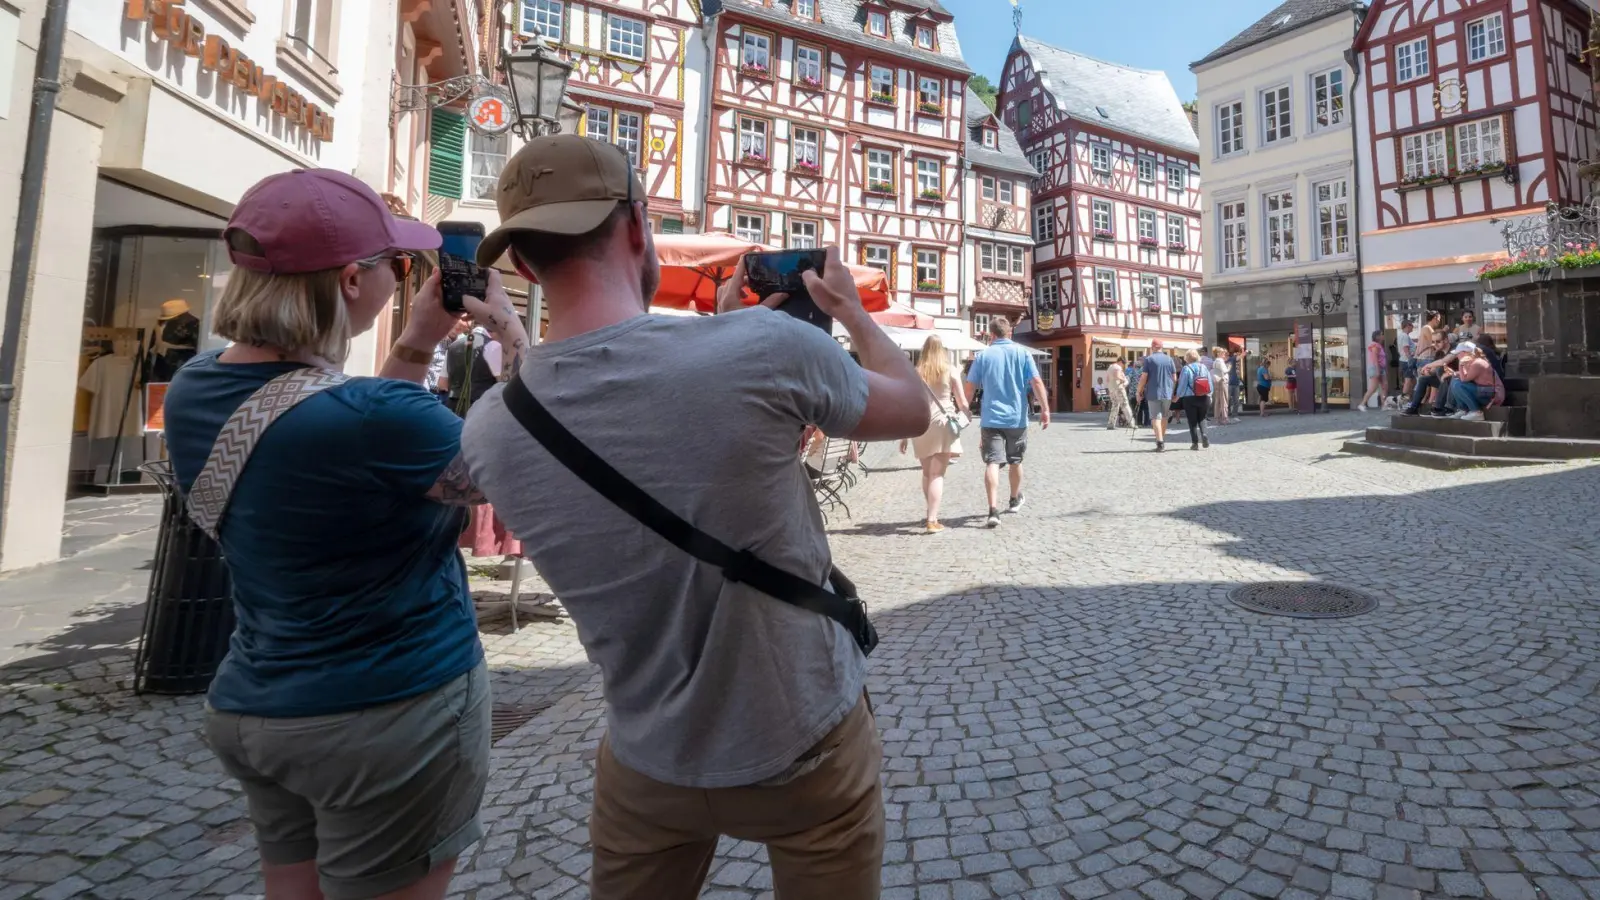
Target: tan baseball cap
[(559, 184)]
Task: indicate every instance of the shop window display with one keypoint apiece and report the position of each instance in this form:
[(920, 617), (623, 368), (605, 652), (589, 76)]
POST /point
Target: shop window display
[(146, 314)]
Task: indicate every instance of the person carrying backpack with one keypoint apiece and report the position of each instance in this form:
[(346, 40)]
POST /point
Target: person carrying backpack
[(1194, 396)]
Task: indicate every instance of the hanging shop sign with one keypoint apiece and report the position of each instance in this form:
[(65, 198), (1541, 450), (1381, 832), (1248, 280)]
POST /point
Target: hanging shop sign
[(170, 22), (1104, 353), (489, 114)]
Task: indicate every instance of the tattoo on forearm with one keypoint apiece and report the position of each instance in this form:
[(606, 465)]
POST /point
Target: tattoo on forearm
[(513, 359), (455, 487)]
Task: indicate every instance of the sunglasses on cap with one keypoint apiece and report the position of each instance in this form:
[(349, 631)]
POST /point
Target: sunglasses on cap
[(401, 263)]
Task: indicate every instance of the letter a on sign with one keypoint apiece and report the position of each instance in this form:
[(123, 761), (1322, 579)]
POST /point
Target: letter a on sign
[(489, 114)]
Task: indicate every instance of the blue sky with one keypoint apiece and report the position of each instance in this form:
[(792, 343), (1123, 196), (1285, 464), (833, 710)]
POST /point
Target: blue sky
[(1145, 34)]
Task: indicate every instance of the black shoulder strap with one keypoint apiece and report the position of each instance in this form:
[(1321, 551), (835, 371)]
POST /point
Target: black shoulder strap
[(740, 566)]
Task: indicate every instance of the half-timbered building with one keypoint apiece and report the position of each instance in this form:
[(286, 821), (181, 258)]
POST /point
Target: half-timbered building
[(639, 69), (997, 263), (1115, 212), (1472, 110), (842, 122)]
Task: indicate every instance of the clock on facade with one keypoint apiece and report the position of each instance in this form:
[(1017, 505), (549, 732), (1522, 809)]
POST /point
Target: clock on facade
[(1449, 96)]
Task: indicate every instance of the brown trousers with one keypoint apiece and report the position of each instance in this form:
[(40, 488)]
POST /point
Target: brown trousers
[(824, 830)]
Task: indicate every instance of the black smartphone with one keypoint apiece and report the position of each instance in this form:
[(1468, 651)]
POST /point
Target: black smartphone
[(459, 273), (778, 272)]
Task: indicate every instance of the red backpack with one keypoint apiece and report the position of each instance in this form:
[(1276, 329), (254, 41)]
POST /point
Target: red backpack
[(1202, 381)]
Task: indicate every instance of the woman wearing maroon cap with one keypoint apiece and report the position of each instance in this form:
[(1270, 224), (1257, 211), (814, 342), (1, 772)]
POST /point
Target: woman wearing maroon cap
[(353, 705)]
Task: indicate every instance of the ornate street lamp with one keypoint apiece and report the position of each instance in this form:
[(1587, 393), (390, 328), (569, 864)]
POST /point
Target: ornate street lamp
[(1320, 307), (538, 80)]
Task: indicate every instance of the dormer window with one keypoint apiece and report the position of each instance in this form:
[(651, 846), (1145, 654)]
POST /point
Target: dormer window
[(991, 138), (805, 8), (877, 23), (924, 37)]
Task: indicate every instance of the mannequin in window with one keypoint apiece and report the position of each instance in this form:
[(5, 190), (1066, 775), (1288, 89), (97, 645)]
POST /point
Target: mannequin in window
[(177, 339)]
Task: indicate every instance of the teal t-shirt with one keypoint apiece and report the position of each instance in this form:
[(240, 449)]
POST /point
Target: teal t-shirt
[(348, 587), (1005, 371)]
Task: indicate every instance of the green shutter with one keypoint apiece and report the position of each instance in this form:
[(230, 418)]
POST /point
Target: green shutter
[(672, 226), (447, 153)]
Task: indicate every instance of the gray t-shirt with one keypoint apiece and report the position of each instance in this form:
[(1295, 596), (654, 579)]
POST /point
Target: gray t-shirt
[(1162, 372), (708, 684)]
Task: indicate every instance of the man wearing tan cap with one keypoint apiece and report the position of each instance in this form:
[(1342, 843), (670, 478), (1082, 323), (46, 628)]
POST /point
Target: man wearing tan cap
[(729, 710)]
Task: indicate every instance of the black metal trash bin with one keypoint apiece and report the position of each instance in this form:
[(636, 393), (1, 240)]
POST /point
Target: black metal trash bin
[(188, 615)]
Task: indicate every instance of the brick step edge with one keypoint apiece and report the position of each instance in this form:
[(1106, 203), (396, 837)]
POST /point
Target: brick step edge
[(1434, 459)]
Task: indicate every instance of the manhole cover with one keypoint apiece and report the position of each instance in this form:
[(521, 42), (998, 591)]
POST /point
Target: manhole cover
[(1302, 600), (506, 718)]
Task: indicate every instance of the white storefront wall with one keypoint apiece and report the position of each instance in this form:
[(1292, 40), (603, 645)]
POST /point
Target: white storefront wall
[(137, 108), (1314, 155)]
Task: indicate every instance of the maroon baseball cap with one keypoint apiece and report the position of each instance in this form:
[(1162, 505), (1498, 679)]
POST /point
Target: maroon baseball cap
[(308, 220)]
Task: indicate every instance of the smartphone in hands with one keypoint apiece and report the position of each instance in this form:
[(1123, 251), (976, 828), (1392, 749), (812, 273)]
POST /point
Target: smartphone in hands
[(778, 272), (459, 273)]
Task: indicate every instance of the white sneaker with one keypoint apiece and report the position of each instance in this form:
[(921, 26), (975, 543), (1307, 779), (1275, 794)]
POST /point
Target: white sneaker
[(1361, 408), (1474, 416), (1461, 414)]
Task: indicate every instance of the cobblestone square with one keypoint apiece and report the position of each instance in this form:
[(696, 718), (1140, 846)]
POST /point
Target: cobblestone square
[(1070, 705)]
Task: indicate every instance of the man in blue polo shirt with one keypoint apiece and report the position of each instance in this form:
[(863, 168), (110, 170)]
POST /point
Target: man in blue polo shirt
[(1005, 372), (1156, 384)]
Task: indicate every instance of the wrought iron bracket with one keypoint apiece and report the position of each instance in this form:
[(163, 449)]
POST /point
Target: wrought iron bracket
[(414, 97)]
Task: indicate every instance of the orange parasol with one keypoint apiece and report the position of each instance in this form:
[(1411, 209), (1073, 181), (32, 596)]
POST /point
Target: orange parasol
[(694, 266), (900, 315)]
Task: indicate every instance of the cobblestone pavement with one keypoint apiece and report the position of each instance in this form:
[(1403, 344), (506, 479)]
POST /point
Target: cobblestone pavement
[(1070, 705)]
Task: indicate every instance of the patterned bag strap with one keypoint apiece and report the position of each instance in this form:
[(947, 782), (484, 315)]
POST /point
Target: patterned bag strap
[(208, 498)]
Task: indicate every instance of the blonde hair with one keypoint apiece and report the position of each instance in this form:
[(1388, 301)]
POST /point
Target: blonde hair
[(1192, 356), (1217, 351), (934, 366), (300, 312)]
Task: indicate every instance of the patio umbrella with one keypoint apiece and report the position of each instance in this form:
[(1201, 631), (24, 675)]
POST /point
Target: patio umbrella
[(899, 315), (695, 266)]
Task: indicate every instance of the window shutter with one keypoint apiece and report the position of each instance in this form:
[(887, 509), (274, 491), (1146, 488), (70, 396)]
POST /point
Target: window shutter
[(447, 152)]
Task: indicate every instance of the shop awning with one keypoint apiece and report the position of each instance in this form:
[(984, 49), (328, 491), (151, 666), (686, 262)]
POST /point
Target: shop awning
[(1144, 343)]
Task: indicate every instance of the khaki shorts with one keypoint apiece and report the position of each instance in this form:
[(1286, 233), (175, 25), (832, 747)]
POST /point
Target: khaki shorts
[(377, 797)]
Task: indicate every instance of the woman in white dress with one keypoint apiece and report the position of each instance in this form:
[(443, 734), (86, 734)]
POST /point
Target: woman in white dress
[(936, 447)]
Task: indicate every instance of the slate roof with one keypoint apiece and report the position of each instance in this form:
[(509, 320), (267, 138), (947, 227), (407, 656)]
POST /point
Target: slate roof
[(846, 21), (1299, 13), (1008, 157), (1139, 102)]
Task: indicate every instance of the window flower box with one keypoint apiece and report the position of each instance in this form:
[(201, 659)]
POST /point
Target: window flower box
[(809, 81), (755, 70), (1102, 234), (806, 167), (887, 99), (932, 109), (1148, 242), (882, 188), (929, 287), (1153, 307), (1177, 246), (755, 160), (931, 195), (1106, 304)]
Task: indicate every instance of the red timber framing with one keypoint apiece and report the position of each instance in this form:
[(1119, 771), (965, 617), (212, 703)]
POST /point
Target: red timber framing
[(839, 163), (651, 88), (1505, 66), (1101, 189)]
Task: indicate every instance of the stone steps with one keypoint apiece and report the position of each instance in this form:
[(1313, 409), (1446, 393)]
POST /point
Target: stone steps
[(1485, 445), (1434, 459)]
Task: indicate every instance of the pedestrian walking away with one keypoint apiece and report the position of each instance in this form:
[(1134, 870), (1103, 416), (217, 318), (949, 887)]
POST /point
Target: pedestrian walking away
[(1156, 384), (728, 711), (941, 443), (1194, 396), (1377, 369), (1117, 406), (1006, 373), (1263, 386), (353, 705)]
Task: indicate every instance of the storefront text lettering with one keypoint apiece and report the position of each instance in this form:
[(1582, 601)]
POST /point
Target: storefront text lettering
[(171, 22)]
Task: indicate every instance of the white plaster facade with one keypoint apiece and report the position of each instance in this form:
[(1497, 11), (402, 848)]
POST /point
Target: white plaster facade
[(149, 134), (1304, 181)]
